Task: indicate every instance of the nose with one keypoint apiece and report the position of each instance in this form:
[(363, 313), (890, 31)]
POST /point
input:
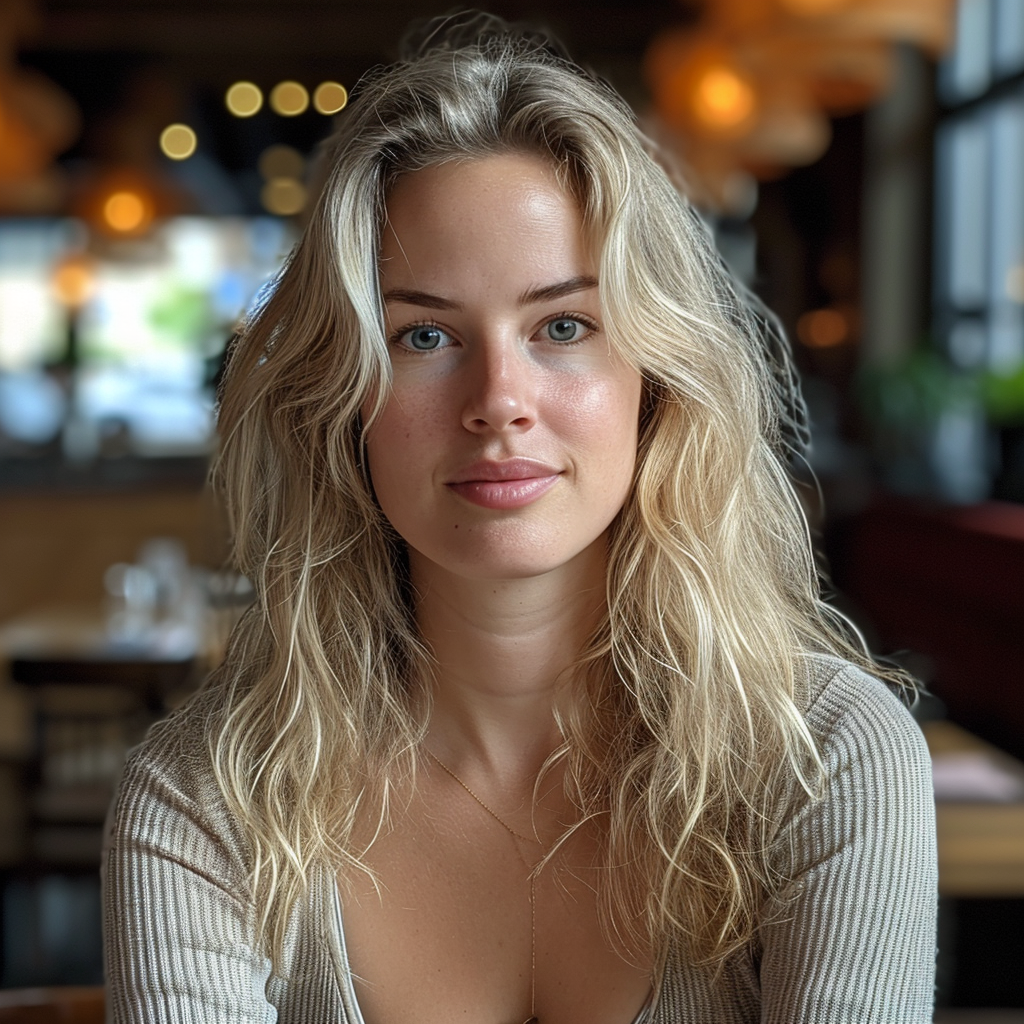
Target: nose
[(501, 390)]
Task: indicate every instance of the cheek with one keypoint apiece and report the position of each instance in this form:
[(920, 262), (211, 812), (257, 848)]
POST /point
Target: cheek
[(603, 412), (386, 444), (416, 403), (617, 426), (404, 417), (399, 443)]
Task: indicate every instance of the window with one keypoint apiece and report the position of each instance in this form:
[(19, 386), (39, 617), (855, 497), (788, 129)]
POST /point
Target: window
[(128, 370)]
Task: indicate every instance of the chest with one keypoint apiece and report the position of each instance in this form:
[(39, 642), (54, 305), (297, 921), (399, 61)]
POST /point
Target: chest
[(459, 927)]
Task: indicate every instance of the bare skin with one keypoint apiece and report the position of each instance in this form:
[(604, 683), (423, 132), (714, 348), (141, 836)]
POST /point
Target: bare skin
[(508, 589)]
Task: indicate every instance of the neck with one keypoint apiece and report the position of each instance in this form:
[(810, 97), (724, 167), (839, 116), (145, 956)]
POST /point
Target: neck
[(504, 652)]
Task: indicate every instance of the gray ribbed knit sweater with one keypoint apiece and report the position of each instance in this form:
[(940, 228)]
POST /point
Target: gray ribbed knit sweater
[(854, 942)]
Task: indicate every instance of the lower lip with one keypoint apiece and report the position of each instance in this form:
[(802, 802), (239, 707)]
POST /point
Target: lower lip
[(505, 493)]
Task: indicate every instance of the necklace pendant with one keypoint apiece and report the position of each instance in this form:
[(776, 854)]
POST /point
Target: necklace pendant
[(532, 1020)]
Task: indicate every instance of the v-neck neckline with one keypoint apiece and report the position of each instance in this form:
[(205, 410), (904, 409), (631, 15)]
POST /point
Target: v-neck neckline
[(351, 999)]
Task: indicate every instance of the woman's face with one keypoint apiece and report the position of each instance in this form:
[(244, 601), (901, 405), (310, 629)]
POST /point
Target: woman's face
[(508, 442)]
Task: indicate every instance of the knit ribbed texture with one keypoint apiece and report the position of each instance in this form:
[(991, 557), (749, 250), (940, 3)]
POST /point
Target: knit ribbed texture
[(850, 941)]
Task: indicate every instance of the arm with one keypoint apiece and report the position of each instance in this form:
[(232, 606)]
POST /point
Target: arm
[(176, 913), (852, 941)]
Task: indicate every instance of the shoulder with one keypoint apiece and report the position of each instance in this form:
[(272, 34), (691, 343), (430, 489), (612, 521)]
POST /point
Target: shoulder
[(875, 769), (174, 757), (850, 933), (169, 798), (853, 711)]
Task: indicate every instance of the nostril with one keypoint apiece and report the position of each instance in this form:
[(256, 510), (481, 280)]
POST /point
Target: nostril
[(499, 419), (499, 409)]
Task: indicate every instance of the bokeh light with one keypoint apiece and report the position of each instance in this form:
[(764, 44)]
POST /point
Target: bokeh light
[(244, 99), (178, 141), (330, 97), (823, 328), (74, 280), (283, 196), (281, 161), (723, 99), (289, 99), (127, 212)]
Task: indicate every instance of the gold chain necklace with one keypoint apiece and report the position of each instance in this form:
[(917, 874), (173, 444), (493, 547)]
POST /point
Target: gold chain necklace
[(533, 1018)]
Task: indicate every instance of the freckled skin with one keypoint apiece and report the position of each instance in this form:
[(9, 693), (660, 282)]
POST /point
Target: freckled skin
[(480, 234)]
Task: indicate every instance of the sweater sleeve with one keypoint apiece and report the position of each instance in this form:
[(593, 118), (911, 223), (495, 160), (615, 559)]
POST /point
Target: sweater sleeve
[(177, 922), (852, 939)]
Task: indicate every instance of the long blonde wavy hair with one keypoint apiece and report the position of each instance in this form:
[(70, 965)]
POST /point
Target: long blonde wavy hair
[(688, 720)]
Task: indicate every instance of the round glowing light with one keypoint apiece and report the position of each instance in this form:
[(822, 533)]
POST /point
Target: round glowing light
[(126, 212), (289, 98), (723, 99), (283, 196), (330, 97), (281, 162), (823, 328), (178, 141), (243, 99), (74, 280)]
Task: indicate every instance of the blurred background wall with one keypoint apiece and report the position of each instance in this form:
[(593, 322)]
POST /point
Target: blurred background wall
[(861, 165)]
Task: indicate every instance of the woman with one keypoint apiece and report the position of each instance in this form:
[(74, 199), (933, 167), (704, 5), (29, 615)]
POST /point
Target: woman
[(538, 715)]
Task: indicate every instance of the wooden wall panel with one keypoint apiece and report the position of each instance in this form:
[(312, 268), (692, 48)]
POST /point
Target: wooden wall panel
[(54, 548)]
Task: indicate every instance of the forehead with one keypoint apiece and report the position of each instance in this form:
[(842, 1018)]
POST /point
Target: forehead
[(507, 208), (495, 176)]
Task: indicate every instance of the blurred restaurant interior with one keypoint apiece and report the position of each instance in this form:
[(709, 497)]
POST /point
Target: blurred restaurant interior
[(861, 165)]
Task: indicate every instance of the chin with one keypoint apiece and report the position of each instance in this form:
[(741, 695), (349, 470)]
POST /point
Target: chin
[(504, 562)]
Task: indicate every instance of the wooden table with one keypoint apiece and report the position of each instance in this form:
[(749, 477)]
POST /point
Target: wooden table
[(981, 845)]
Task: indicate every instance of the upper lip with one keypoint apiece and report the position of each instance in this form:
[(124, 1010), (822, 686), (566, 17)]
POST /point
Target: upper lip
[(506, 469)]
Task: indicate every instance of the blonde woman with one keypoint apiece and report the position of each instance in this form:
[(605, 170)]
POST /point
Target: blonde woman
[(538, 715)]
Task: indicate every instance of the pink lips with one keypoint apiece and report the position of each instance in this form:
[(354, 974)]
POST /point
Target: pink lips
[(504, 485)]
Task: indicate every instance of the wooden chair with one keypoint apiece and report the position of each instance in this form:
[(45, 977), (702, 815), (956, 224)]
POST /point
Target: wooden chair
[(88, 713), (59, 1005)]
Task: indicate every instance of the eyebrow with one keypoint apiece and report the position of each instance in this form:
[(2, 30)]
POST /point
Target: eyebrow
[(414, 298), (557, 291), (532, 295)]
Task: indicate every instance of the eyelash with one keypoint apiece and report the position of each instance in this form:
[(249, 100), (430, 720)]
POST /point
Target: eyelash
[(589, 322), (592, 326), (397, 336)]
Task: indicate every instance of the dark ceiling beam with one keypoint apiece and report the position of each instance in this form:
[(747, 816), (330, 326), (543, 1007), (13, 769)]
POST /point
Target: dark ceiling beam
[(186, 32), (213, 42), (613, 26)]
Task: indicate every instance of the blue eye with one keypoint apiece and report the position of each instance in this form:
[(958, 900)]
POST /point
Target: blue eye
[(424, 338), (564, 329)]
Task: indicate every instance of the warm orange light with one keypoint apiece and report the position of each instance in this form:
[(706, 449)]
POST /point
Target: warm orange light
[(74, 280), (702, 85), (749, 83), (126, 212), (823, 328), (289, 99), (123, 201), (330, 97), (723, 98)]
